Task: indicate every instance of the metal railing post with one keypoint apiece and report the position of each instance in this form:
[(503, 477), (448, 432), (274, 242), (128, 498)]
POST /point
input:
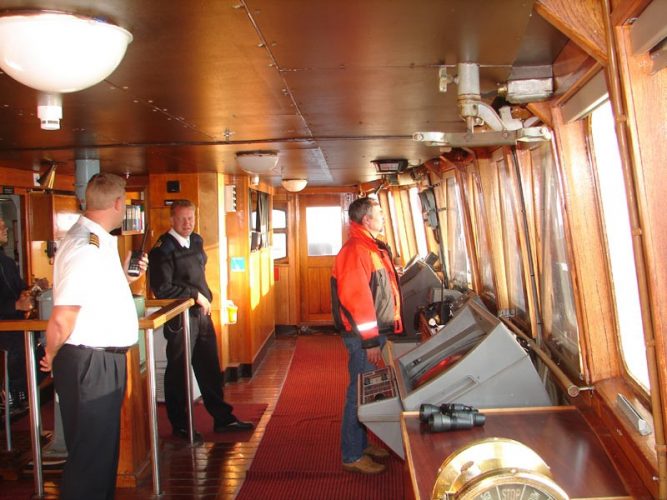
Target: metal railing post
[(152, 411), (188, 373), (8, 430), (35, 414)]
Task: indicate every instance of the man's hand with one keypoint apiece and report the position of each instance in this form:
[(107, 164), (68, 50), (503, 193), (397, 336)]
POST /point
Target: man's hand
[(374, 355), (46, 361), (25, 302), (204, 304)]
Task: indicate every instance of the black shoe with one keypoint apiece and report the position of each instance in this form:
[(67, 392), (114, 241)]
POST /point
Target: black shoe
[(236, 425), (183, 434)]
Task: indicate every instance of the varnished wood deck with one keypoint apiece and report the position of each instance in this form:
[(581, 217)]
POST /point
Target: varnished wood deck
[(211, 470)]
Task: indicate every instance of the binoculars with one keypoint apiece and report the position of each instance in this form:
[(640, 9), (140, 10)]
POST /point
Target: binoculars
[(450, 417)]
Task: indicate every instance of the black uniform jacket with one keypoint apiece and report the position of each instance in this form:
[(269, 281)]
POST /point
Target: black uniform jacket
[(176, 272), (11, 286)]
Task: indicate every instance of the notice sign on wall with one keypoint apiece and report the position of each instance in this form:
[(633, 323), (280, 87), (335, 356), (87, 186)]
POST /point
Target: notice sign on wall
[(237, 264)]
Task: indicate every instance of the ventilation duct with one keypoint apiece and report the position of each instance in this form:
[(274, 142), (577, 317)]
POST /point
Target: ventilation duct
[(83, 171)]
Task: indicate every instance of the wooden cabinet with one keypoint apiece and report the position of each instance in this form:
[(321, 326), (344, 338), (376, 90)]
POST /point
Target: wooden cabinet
[(51, 215)]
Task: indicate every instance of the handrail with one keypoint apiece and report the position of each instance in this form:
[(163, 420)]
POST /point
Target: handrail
[(168, 309), (573, 390)]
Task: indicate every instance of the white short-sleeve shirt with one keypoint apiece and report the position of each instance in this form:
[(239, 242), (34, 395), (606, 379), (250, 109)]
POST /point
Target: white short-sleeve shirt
[(88, 273)]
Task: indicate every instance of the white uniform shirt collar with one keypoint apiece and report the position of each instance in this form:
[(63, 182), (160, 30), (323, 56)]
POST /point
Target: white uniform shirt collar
[(184, 242)]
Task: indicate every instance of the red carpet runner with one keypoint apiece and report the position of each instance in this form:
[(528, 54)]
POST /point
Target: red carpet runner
[(299, 457)]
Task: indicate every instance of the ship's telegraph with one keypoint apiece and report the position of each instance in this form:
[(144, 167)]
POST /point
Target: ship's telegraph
[(450, 417), (496, 469)]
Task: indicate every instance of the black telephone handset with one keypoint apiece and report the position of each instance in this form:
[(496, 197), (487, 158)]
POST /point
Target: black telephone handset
[(133, 268)]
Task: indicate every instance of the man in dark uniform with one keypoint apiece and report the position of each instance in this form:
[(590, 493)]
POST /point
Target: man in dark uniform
[(177, 270), (15, 301)]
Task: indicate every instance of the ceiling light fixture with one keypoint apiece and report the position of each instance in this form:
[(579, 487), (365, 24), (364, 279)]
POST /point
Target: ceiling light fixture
[(257, 162), (294, 185), (59, 52)]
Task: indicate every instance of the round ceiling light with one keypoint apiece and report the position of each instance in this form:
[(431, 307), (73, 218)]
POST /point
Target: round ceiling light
[(294, 185), (58, 52)]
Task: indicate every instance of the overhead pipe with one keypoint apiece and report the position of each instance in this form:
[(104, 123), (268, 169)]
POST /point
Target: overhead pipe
[(620, 121)]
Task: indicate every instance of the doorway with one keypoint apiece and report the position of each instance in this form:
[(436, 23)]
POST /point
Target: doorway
[(320, 238)]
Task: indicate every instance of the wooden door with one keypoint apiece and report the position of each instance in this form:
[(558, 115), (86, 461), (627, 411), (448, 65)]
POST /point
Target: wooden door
[(320, 237)]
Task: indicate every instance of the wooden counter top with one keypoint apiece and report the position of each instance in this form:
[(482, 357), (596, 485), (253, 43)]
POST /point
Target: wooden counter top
[(560, 435)]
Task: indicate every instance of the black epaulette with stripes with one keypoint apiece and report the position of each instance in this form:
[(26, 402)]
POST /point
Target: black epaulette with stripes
[(94, 240)]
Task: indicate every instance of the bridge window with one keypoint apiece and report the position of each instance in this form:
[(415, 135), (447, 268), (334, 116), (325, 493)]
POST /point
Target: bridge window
[(279, 224), (559, 315), (513, 262), (482, 242), (460, 274), (324, 228), (418, 221), (619, 243)]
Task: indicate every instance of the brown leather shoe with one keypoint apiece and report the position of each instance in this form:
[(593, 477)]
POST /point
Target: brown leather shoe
[(376, 452), (365, 465)]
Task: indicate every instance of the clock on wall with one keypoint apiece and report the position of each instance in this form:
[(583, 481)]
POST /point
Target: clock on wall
[(496, 469)]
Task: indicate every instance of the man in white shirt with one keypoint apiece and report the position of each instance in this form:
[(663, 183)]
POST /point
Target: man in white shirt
[(92, 325)]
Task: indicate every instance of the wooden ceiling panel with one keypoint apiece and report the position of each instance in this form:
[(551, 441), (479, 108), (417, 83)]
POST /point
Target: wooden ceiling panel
[(329, 84), (307, 34)]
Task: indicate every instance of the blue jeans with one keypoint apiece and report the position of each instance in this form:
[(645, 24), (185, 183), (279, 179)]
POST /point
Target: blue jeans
[(353, 433)]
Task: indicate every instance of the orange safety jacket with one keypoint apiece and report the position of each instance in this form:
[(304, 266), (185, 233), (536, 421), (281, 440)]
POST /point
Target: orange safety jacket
[(365, 296)]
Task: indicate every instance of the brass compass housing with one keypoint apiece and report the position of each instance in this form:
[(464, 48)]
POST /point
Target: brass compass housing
[(495, 469)]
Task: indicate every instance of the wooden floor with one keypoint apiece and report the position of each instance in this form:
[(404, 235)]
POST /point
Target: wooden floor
[(211, 470)]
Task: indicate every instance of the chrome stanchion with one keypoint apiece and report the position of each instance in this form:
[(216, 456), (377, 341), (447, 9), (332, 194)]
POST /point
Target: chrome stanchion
[(8, 430), (35, 414), (152, 411), (188, 373)]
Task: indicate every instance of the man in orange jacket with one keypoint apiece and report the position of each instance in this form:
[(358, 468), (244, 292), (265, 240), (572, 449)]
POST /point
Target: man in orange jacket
[(366, 306)]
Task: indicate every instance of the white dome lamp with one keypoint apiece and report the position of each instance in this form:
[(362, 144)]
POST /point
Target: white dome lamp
[(294, 185), (57, 52)]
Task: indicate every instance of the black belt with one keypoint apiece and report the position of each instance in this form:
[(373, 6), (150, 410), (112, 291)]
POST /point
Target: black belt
[(115, 350)]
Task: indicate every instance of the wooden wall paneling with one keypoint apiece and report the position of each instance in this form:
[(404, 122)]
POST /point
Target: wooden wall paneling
[(24, 179), (250, 280), (210, 208), (221, 317), (644, 100), (598, 336), (134, 459), (238, 248), (488, 175), (580, 21)]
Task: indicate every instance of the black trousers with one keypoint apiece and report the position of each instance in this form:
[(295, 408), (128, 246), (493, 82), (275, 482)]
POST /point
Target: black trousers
[(205, 364), (91, 387)]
